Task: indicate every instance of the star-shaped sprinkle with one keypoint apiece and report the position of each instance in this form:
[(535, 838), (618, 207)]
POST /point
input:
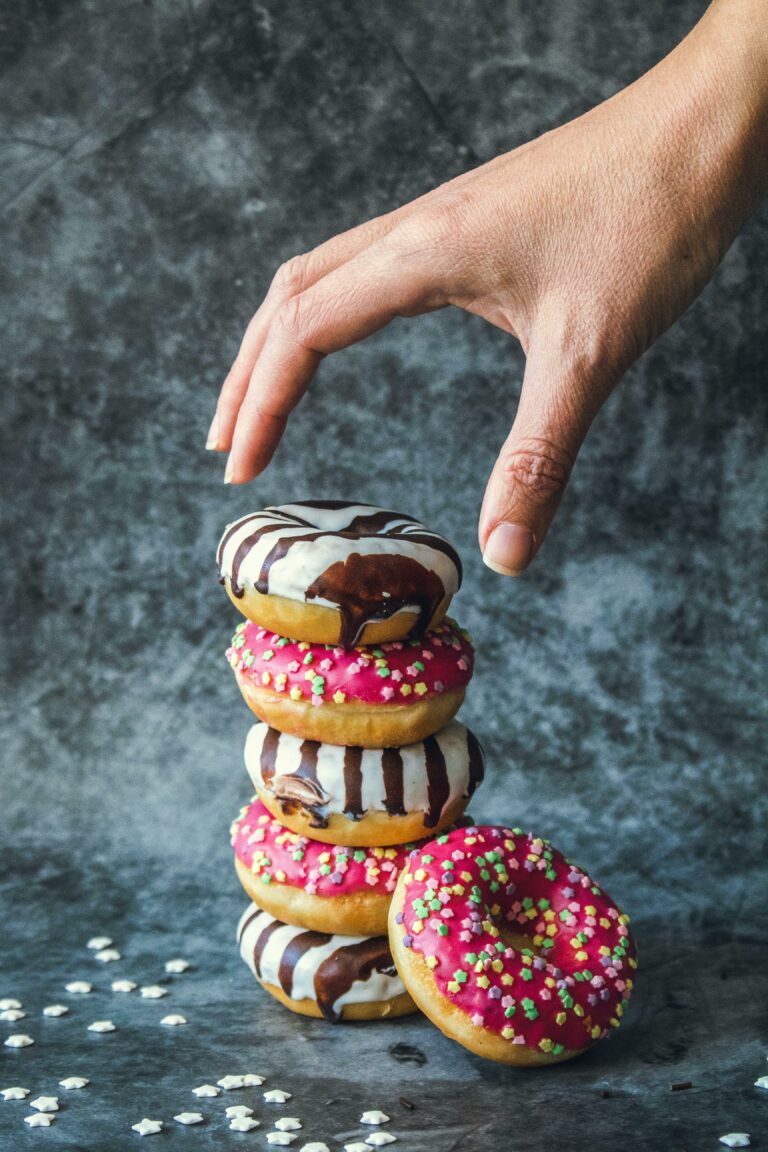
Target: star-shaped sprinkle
[(189, 1117), (153, 991), (374, 1117), (276, 1096), (102, 1026), (72, 1082), (244, 1124), (206, 1090), (55, 1010), (238, 1111), (230, 1082), (356, 1146), (735, 1140), (761, 1082), (19, 1040), (107, 955), (147, 1127), (98, 942), (10, 1002), (39, 1120), (45, 1104), (79, 987), (173, 1020), (14, 1093), (177, 965), (123, 985), (288, 1124), (11, 1015), (316, 1146), (280, 1137), (378, 1139), (251, 1080)]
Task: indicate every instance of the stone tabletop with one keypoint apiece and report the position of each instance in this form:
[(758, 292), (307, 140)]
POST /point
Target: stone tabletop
[(159, 161)]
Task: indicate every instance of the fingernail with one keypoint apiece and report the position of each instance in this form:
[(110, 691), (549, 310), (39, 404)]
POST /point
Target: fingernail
[(228, 472), (213, 434), (509, 549)]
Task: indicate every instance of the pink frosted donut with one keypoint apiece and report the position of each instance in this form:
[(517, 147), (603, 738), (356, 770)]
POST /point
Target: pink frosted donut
[(325, 887), (509, 948), (395, 694)]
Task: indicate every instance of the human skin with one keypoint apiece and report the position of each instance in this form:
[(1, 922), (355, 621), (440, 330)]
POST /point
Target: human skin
[(585, 244)]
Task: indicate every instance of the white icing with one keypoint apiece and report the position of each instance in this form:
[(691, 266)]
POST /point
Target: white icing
[(292, 575), (452, 741), (378, 986)]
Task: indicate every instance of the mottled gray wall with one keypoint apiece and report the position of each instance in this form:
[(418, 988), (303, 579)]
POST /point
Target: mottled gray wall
[(160, 159)]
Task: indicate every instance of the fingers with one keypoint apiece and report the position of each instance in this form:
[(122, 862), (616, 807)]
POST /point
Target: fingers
[(535, 463), (351, 302)]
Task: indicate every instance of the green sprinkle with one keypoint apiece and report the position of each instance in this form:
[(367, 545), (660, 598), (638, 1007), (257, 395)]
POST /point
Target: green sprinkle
[(551, 874), (418, 664), (266, 878), (544, 904), (470, 957), (509, 1012), (247, 657), (325, 869), (500, 947), (527, 903), (443, 840), (460, 976), (442, 929), (384, 672), (427, 859), (557, 1049), (298, 854), (282, 642), (435, 905), (526, 974), (268, 654), (308, 659), (358, 855), (378, 653), (238, 641), (485, 955)]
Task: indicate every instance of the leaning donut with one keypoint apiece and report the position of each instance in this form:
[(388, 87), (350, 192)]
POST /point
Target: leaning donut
[(508, 948), (336, 573), (364, 796), (395, 694), (318, 974)]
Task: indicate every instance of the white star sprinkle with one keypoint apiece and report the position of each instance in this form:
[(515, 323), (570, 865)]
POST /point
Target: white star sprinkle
[(238, 1112), (206, 1090), (735, 1140), (102, 1026), (288, 1124), (79, 987), (147, 1127), (189, 1118), (356, 1146), (106, 955), (280, 1138), (251, 1080), (230, 1082), (761, 1082), (244, 1124), (316, 1146), (39, 1120), (74, 1082), (19, 1040), (55, 1010), (276, 1096), (14, 1093), (9, 1002), (45, 1104), (173, 1020), (99, 942), (123, 985), (11, 1015), (374, 1117), (377, 1139), (153, 991), (177, 965)]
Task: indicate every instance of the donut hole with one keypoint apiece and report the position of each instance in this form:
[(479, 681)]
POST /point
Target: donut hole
[(519, 940)]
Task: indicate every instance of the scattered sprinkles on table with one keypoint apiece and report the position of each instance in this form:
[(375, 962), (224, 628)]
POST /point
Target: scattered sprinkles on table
[(567, 990), (398, 672)]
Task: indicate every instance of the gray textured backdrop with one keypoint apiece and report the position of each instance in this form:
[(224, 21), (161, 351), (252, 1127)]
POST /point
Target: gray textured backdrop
[(159, 160)]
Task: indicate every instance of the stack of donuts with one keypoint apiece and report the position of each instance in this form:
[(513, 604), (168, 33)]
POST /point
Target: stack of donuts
[(355, 673)]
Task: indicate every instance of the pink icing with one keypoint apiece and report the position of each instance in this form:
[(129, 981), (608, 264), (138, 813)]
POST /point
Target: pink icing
[(573, 985), (277, 856), (400, 672)]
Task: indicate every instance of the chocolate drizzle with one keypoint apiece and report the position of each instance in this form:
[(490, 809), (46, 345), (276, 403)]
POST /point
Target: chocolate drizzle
[(392, 770), (353, 782), (293, 953), (438, 785), (345, 966), (299, 789), (263, 938)]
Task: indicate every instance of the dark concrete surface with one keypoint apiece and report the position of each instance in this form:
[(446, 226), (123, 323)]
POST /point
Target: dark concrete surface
[(159, 160)]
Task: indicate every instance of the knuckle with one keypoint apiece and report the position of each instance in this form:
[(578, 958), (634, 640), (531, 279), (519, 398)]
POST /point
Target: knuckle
[(294, 319), (291, 276), (538, 468)]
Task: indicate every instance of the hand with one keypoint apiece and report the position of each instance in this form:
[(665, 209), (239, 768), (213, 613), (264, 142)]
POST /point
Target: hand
[(585, 244)]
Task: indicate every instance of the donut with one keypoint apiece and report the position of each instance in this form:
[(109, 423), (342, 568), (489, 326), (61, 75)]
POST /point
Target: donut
[(394, 694), (328, 888), (364, 796), (319, 974), (508, 948), (336, 573)]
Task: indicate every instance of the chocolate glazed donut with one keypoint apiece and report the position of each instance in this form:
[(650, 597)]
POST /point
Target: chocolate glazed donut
[(363, 587)]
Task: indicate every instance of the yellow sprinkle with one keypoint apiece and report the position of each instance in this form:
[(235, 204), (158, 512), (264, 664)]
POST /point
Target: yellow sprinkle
[(551, 929), (495, 910), (545, 1044), (418, 927), (619, 1010), (507, 1033), (497, 965), (604, 951), (265, 677), (380, 662), (458, 889), (549, 914), (605, 922), (280, 876), (389, 853), (595, 1033), (281, 678), (453, 986), (483, 982), (560, 1018), (509, 845), (295, 693), (420, 689), (531, 914), (581, 954), (324, 857), (613, 1022), (506, 978), (430, 961), (420, 875), (549, 981), (471, 840), (590, 910), (632, 963), (405, 689), (526, 959), (309, 675), (623, 919), (578, 1009), (339, 697), (303, 647), (630, 984)]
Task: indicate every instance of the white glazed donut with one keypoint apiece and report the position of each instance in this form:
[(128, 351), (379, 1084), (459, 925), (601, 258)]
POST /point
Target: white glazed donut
[(364, 796), (315, 974), (334, 573)]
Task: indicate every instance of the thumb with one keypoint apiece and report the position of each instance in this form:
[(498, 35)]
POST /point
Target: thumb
[(533, 467)]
